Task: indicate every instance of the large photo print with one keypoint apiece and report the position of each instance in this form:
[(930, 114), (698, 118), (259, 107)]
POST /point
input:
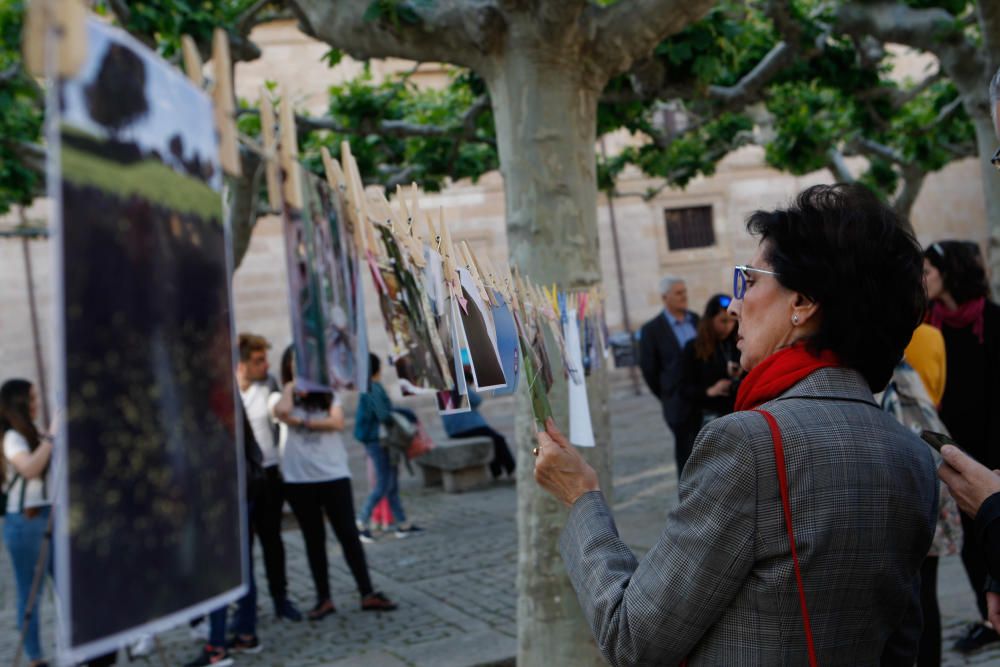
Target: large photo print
[(149, 527)]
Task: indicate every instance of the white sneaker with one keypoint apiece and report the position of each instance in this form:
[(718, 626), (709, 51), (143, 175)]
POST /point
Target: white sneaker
[(143, 647), (200, 631)]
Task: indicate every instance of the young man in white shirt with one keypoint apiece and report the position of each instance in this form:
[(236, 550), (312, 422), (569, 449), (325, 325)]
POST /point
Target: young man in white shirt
[(256, 392)]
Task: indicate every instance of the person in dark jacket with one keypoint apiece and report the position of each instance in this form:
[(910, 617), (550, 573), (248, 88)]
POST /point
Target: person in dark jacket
[(374, 411), (970, 323), (710, 366), (471, 424), (661, 342)]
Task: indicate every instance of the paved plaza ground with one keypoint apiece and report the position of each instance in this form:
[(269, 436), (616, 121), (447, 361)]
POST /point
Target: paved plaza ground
[(455, 584)]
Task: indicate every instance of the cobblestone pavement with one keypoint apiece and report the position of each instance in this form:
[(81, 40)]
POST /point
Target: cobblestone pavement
[(455, 583)]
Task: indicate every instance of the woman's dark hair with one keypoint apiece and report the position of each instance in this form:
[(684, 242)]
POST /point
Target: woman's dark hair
[(705, 342), (845, 249), (287, 372), (15, 411), (374, 365), (961, 267), (314, 400)]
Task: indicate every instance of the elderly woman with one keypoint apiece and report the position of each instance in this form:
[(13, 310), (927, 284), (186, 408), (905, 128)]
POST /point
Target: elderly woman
[(804, 516)]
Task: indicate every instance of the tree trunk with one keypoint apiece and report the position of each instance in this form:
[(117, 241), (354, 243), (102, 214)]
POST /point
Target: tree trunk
[(546, 123), (986, 141)]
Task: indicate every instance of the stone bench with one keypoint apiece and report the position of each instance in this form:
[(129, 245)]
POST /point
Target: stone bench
[(457, 464)]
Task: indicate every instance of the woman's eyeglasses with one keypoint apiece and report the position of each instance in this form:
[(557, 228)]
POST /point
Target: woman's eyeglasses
[(740, 278)]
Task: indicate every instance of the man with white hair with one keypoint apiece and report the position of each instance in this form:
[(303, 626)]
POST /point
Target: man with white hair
[(661, 341)]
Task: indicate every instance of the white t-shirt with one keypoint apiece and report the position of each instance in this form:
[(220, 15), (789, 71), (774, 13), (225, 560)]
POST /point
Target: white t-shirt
[(312, 456), (34, 495), (256, 402)]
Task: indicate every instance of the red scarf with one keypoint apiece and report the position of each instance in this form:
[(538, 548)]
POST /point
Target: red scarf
[(970, 312), (779, 373)]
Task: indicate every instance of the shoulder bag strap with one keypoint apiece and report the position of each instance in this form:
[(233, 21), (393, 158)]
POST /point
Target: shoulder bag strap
[(779, 461)]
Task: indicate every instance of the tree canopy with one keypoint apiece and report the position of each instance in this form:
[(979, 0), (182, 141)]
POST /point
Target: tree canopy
[(797, 77)]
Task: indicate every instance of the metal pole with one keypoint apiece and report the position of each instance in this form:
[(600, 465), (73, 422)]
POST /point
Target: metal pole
[(43, 393), (621, 276)]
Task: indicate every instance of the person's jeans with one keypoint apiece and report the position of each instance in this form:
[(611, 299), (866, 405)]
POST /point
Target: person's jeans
[(266, 522), (245, 622), (386, 484), (24, 538)]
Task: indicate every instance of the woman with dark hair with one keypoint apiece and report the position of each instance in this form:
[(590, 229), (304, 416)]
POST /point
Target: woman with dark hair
[(970, 408), (710, 364), (26, 453), (804, 516), (318, 482)]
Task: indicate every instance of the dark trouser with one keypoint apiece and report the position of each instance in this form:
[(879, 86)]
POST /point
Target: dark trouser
[(974, 562), (245, 622), (267, 526), (309, 502), (929, 651), (502, 458), (684, 435)]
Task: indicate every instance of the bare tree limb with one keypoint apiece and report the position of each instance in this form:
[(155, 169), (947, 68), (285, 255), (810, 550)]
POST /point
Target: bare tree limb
[(628, 31), (246, 21), (913, 182), (455, 31), (867, 146), (838, 166), (943, 115), (933, 30), (989, 25), (749, 87)]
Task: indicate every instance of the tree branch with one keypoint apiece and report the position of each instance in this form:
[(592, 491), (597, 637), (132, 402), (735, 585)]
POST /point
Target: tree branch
[(838, 166), (453, 31), (628, 31), (867, 146), (246, 22), (465, 129), (749, 87), (933, 30), (989, 26), (913, 182), (943, 115)]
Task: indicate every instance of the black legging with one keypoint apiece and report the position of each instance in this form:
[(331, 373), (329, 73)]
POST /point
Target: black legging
[(309, 501), (502, 458), (267, 527), (974, 562), (929, 651)]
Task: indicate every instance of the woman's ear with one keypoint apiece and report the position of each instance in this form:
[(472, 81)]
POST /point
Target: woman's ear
[(805, 312)]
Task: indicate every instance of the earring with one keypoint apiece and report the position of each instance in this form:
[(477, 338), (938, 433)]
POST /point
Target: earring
[(795, 319)]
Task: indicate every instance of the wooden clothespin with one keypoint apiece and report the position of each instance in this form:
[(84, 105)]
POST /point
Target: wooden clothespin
[(289, 153), (355, 196), (434, 238), (63, 20), (449, 256), (270, 152), (192, 61), (406, 236), (225, 105), (477, 278)]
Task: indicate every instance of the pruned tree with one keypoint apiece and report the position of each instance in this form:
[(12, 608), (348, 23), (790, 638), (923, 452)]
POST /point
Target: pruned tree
[(545, 65)]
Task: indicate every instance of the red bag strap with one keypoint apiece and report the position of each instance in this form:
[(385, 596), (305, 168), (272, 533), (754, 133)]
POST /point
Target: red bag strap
[(779, 462)]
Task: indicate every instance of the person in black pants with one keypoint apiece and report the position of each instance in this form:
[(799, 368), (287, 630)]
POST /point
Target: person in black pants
[(470, 425), (970, 323), (259, 392), (318, 482)]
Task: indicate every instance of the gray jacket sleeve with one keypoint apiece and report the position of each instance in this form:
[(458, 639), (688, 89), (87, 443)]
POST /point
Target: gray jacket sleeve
[(654, 611)]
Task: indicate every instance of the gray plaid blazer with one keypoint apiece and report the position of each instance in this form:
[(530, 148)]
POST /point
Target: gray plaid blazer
[(719, 587)]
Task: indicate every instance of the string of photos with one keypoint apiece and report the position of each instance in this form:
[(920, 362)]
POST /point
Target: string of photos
[(453, 320)]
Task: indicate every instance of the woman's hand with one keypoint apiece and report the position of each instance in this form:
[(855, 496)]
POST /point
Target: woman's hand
[(720, 388), (970, 482), (559, 468)]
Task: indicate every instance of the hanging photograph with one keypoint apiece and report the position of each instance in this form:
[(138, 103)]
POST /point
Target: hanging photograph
[(149, 500), (416, 349), (507, 345), (487, 371)]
